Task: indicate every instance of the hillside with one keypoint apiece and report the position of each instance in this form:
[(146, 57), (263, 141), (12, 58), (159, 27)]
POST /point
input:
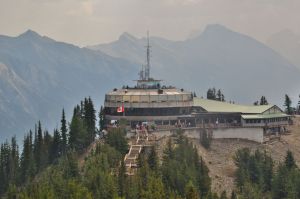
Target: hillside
[(242, 67), (220, 156), (39, 76)]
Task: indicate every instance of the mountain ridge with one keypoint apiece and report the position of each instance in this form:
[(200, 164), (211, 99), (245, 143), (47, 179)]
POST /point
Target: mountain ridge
[(40, 76), (219, 53)]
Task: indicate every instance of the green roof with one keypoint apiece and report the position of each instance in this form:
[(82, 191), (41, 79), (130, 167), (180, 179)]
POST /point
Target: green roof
[(262, 116), (225, 107)]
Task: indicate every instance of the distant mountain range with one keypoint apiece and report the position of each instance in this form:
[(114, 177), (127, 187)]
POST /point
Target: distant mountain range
[(39, 76), (240, 65), (287, 43)]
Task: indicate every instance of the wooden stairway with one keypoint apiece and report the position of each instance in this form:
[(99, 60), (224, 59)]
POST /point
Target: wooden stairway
[(131, 158)]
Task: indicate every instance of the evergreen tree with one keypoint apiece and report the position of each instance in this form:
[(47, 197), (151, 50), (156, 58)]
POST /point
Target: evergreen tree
[(64, 131), (219, 95), (287, 104), (78, 133), (122, 179), (89, 120), (14, 162), (38, 147), (263, 101), (101, 119), (153, 160), (28, 166), (280, 183), (211, 94), (191, 191), (289, 160), (205, 139), (116, 138), (154, 189), (56, 146)]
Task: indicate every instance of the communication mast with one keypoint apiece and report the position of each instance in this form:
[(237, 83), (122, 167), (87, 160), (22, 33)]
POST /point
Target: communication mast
[(147, 68)]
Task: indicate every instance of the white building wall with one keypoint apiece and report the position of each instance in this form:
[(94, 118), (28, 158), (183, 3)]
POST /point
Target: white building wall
[(254, 134)]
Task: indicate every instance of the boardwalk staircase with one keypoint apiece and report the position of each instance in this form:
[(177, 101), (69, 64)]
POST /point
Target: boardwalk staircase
[(131, 158)]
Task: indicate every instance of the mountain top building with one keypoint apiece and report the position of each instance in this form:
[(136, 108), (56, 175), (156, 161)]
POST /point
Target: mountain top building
[(151, 102)]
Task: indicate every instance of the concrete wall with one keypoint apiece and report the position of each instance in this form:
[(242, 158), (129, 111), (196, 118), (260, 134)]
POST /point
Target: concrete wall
[(253, 134)]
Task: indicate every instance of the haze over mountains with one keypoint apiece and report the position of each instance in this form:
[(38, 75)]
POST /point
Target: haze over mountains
[(243, 67), (287, 43), (39, 76)]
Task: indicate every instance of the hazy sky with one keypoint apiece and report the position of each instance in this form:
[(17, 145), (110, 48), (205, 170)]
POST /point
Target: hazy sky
[(87, 22)]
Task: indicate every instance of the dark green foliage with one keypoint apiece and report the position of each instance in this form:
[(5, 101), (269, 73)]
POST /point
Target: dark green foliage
[(9, 165), (28, 167), (116, 138), (287, 104), (254, 168), (191, 191), (78, 132), (122, 179), (82, 128), (205, 138), (212, 94), (38, 147), (56, 147), (101, 119), (89, 120), (97, 172), (289, 160), (182, 165), (63, 131), (263, 101), (48, 166), (255, 177), (153, 161)]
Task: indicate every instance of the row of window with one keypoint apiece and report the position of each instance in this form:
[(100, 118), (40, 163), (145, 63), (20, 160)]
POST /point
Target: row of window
[(251, 121), (149, 111), (147, 98)]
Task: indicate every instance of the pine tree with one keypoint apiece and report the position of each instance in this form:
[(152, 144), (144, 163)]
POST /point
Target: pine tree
[(289, 160), (90, 120), (263, 101), (219, 95), (191, 191), (153, 160), (122, 179), (287, 104), (78, 133), (63, 131), (101, 119), (38, 147), (28, 168), (56, 147), (14, 162)]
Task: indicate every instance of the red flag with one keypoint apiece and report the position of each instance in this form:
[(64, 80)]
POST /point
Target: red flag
[(120, 109)]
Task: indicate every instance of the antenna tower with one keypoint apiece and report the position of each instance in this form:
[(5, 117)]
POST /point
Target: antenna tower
[(147, 68)]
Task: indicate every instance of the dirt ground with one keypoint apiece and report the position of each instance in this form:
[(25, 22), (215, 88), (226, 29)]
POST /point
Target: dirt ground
[(219, 158)]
